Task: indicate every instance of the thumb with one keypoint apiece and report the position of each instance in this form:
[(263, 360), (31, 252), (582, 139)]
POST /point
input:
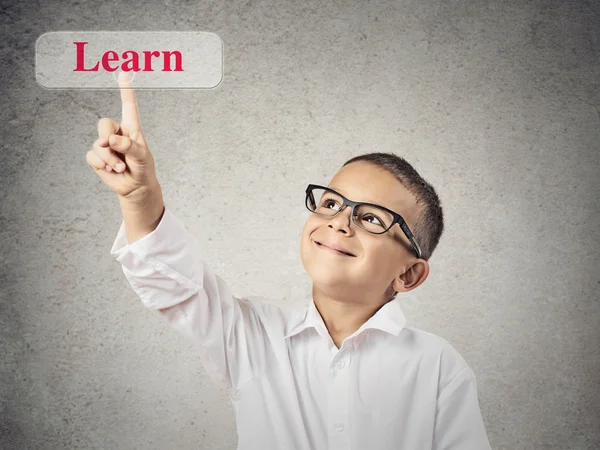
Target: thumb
[(128, 146)]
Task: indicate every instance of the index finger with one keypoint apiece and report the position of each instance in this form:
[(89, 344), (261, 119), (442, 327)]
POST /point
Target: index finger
[(130, 121)]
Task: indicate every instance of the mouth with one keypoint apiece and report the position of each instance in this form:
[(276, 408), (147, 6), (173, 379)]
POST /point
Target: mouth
[(337, 252)]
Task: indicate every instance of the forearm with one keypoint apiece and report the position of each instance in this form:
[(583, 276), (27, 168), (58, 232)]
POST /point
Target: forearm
[(142, 217)]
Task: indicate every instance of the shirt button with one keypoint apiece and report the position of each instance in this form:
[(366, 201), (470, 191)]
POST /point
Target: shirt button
[(342, 364), (339, 426)]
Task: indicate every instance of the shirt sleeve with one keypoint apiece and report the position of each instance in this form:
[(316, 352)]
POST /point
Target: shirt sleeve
[(166, 270), (458, 421)]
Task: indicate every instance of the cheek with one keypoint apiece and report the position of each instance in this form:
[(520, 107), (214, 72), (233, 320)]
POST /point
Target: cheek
[(309, 227), (378, 258), (303, 245), (305, 240)]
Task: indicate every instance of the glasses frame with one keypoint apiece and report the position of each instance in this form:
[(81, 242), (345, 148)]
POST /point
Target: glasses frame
[(398, 219)]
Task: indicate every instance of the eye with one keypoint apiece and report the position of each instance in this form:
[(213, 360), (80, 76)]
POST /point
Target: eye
[(328, 203), (377, 220)]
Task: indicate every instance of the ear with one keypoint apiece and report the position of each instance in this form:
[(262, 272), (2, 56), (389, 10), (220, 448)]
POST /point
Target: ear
[(412, 277)]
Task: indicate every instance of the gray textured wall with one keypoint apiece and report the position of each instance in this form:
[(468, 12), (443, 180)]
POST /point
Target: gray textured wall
[(495, 103)]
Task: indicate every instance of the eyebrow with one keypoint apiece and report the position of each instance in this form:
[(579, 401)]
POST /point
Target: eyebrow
[(364, 201)]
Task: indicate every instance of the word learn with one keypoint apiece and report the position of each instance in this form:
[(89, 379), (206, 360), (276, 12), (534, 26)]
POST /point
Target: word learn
[(129, 63)]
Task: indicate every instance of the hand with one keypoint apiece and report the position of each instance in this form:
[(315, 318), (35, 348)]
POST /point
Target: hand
[(120, 155)]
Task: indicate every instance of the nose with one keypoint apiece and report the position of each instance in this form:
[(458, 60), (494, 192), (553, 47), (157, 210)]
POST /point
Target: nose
[(342, 220)]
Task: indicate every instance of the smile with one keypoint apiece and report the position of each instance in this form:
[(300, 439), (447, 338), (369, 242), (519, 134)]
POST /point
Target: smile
[(335, 252)]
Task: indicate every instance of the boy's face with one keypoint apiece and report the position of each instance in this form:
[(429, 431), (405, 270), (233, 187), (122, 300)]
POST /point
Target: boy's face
[(379, 259)]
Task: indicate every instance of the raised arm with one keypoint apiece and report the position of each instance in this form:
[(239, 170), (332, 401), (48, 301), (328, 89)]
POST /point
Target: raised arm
[(162, 261), (166, 270)]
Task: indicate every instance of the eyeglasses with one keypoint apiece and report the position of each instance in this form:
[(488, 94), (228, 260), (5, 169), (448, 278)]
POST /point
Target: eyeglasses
[(369, 217)]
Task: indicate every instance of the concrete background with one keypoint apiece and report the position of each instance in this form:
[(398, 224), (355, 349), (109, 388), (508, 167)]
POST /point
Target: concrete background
[(495, 103)]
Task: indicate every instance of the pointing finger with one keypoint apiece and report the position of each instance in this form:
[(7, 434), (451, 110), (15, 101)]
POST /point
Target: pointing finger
[(130, 121)]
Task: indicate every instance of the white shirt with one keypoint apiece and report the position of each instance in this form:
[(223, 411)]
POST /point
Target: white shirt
[(389, 386)]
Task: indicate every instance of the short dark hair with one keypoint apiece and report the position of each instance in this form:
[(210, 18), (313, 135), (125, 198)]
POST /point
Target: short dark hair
[(429, 224)]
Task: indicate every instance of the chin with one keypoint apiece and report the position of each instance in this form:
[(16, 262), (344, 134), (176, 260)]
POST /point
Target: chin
[(326, 275)]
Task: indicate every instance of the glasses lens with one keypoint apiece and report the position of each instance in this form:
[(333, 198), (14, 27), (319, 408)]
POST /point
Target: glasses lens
[(324, 202), (372, 218)]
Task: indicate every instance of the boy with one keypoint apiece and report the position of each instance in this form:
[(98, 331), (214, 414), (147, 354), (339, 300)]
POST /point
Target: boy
[(346, 372)]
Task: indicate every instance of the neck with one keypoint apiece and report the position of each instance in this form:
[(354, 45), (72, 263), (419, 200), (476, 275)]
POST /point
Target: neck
[(343, 316)]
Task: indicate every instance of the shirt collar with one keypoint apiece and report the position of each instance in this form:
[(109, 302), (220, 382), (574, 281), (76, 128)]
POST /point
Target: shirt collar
[(388, 318)]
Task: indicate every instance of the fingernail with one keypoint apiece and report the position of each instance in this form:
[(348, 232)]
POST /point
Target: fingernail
[(114, 139), (107, 168), (119, 167)]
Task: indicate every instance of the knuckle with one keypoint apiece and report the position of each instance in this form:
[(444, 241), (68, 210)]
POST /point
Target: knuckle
[(97, 148), (103, 153), (117, 141), (93, 160)]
